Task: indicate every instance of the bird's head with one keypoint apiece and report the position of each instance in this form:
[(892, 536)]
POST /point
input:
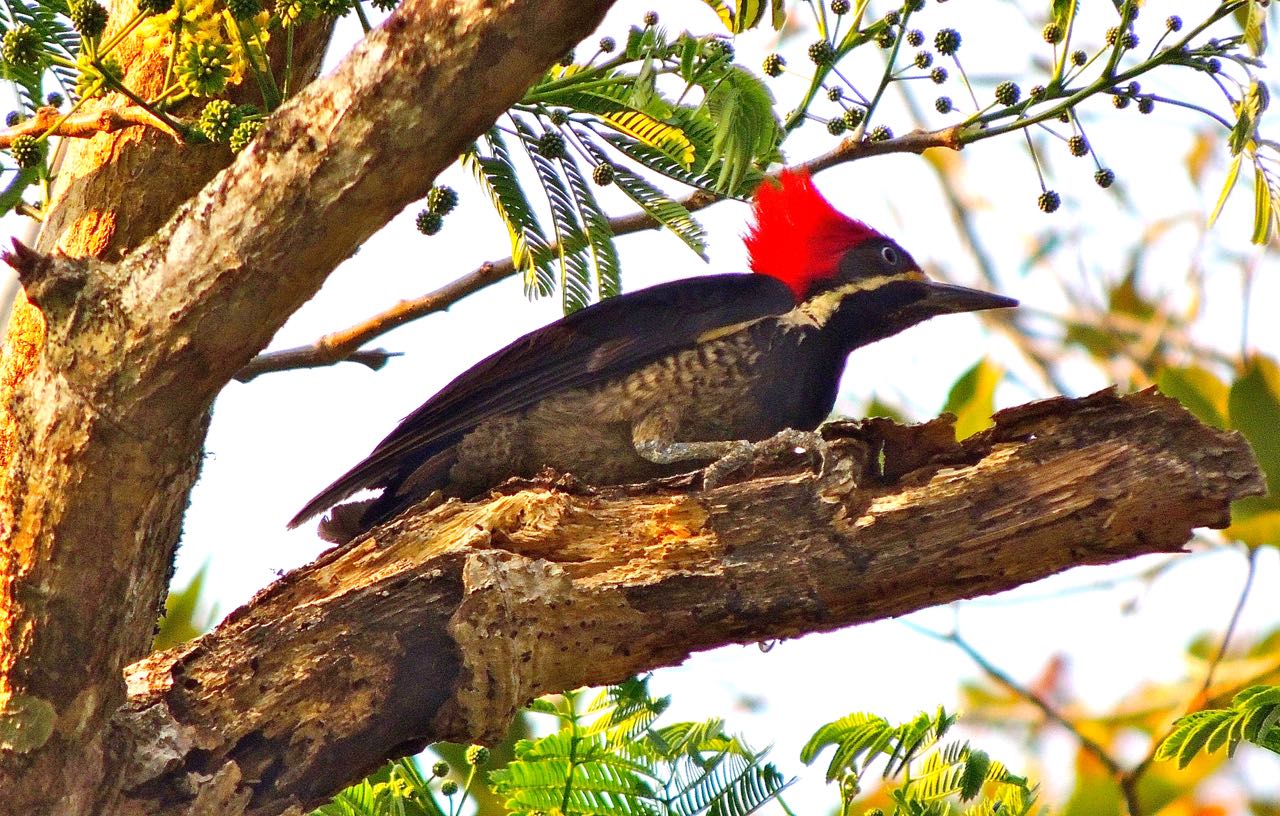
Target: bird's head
[(836, 266)]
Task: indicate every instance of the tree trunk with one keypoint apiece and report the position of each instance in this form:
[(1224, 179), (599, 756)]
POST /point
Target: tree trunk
[(106, 396)]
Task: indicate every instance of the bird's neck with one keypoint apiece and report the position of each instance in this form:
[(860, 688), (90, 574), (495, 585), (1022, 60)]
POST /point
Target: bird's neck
[(853, 317)]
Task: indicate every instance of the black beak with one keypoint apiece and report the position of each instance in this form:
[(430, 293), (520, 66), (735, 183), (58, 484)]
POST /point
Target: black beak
[(944, 298)]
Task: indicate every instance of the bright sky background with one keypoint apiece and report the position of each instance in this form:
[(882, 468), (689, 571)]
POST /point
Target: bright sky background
[(275, 442)]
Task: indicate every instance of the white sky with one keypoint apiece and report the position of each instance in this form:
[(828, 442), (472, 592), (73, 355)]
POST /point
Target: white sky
[(276, 441)]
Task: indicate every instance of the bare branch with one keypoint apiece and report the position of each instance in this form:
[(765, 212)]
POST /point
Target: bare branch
[(49, 121), (340, 345), (450, 620)]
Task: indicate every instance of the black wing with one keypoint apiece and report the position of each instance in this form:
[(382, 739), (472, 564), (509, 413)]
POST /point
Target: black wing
[(608, 338)]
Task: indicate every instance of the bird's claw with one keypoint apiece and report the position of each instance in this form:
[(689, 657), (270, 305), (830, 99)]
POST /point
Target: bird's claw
[(785, 442)]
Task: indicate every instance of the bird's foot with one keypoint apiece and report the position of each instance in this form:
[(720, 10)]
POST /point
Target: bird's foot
[(785, 443)]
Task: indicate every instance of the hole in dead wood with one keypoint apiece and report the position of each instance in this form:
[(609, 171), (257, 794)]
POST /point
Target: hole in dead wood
[(191, 684)]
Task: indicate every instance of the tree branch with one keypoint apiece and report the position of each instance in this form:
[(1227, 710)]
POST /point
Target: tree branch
[(50, 121), (450, 620), (341, 345)]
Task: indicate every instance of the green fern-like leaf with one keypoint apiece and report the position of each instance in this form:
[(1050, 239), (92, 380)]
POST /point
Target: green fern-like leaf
[(604, 252), (529, 248), (1254, 716), (571, 240), (747, 129)]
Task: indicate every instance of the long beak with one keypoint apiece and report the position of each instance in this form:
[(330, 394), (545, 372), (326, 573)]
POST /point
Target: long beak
[(944, 298)]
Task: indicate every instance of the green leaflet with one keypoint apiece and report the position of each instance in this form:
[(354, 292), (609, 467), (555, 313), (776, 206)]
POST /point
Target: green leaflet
[(604, 252), (529, 249), (1254, 716)]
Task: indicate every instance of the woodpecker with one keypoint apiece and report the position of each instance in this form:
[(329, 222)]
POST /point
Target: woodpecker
[(667, 378)]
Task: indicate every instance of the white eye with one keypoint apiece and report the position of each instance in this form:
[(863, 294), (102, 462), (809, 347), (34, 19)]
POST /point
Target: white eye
[(890, 255)]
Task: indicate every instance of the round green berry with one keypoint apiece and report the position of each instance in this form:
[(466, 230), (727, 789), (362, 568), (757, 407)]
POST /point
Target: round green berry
[(1052, 33), (602, 174), (651, 18), (853, 117), (26, 151), (1079, 57), (205, 68), (54, 99), (924, 59), (943, 104), (218, 119), (88, 16), (892, 18), (1173, 23), (440, 769), (1104, 178), (1078, 145), (559, 117), (1036, 93), (21, 46), (947, 42), (449, 787), (1120, 101), (835, 94), (836, 126), (429, 223), (156, 6), (1008, 93), (887, 37), (915, 38), (1049, 201), (441, 199), (477, 755), (839, 7), (881, 133), (551, 145), (1113, 35), (774, 64), (938, 75), (608, 44), (12, 119), (243, 9), (822, 52), (243, 134), (1146, 105)]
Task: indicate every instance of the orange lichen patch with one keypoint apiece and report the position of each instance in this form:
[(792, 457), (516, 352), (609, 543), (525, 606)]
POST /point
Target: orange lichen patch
[(90, 234), (18, 358)]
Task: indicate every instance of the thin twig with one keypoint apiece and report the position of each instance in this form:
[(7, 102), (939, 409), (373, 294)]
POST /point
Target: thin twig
[(1252, 570), (84, 125)]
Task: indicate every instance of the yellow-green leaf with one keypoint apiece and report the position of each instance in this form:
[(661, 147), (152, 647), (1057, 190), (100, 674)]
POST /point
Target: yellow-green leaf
[(1199, 391), (670, 140), (1261, 207), (1254, 410), (1234, 173), (972, 398)]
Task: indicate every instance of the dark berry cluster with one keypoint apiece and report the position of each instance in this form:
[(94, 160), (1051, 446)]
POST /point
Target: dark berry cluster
[(853, 117), (1104, 178), (651, 18), (938, 75), (839, 7), (836, 126), (887, 37), (1008, 93), (608, 44), (551, 145), (243, 134), (13, 118), (915, 38), (428, 223), (241, 9), (1049, 201), (1036, 93), (822, 52), (947, 42), (1174, 23), (943, 104), (774, 65), (1078, 145), (924, 59), (880, 133), (441, 200), (1052, 33), (88, 16), (158, 6), (1079, 57), (602, 174), (54, 99), (835, 94), (559, 117)]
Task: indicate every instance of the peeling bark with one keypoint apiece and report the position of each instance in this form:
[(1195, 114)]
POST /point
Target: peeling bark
[(440, 625)]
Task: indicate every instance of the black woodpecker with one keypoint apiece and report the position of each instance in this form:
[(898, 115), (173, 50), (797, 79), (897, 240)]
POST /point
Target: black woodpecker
[(664, 379)]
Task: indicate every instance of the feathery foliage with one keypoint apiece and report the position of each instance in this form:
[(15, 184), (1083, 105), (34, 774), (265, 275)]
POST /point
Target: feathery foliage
[(1254, 716)]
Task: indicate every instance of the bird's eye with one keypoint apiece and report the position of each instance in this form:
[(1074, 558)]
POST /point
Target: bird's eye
[(890, 255)]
